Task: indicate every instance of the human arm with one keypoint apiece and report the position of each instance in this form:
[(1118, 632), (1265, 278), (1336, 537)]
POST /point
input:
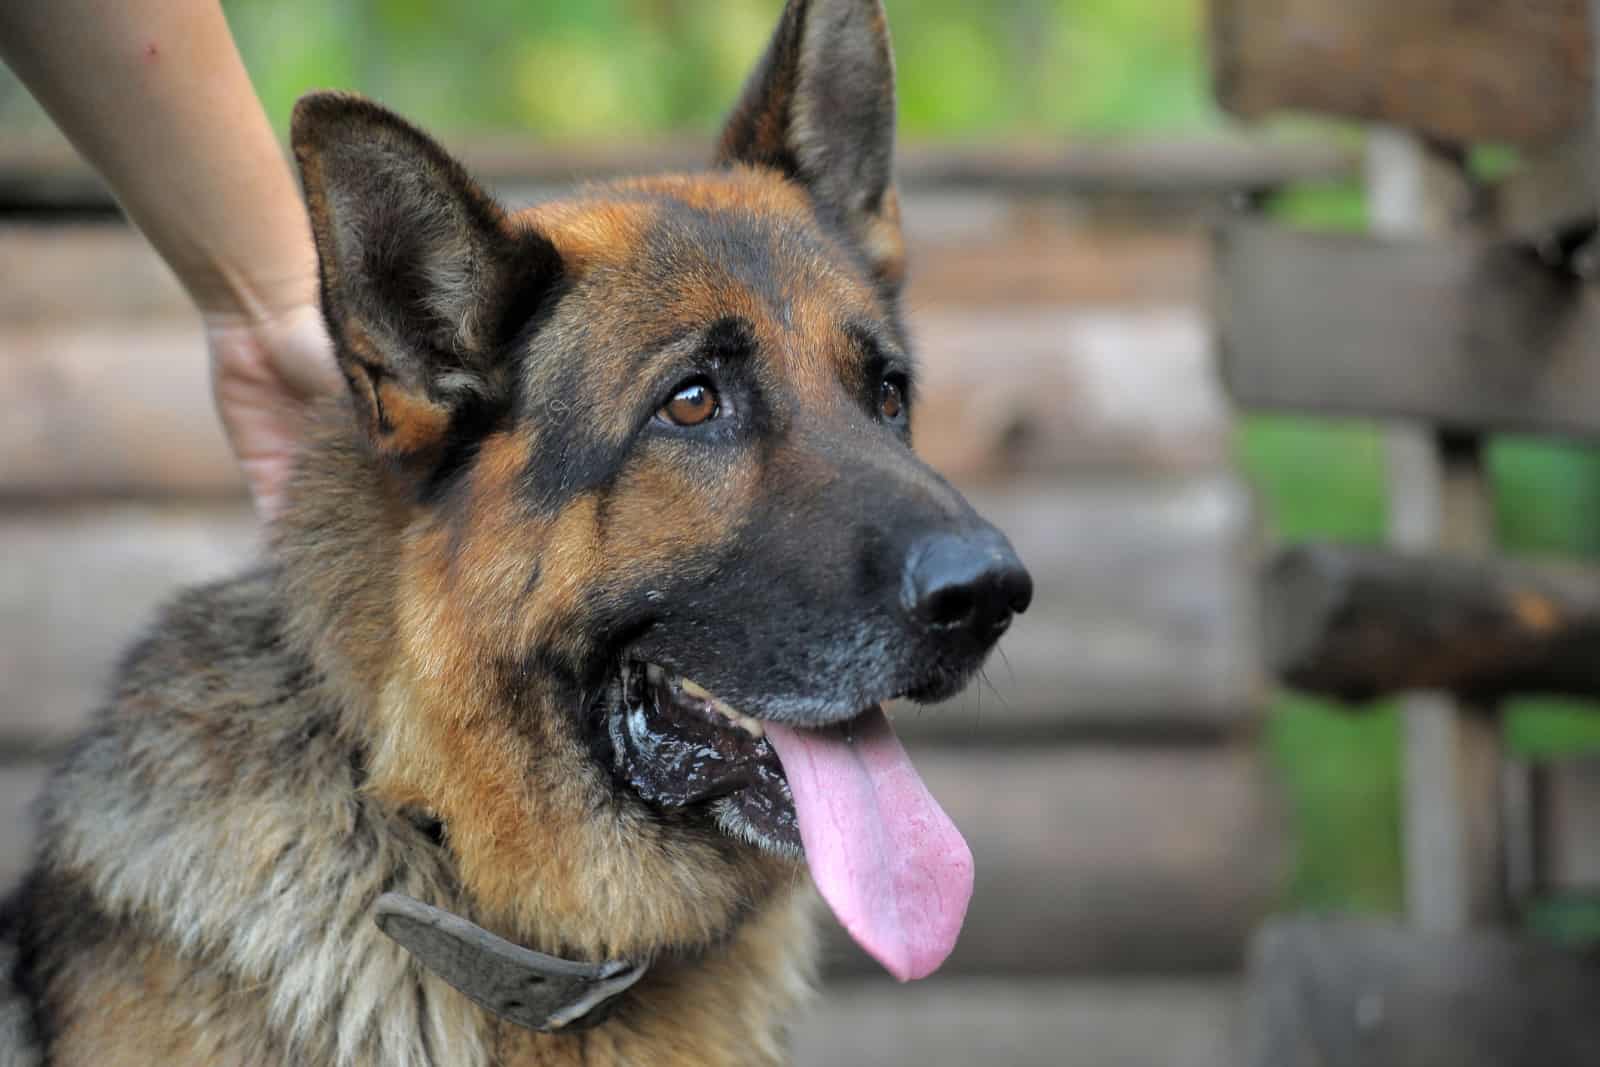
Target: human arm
[(154, 94)]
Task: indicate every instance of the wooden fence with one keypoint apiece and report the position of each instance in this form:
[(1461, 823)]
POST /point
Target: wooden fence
[(1470, 310)]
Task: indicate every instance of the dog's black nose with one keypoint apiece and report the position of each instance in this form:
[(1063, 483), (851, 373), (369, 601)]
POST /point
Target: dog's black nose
[(970, 583)]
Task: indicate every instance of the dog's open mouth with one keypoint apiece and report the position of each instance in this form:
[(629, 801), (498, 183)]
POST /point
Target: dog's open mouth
[(884, 855), (678, 745)]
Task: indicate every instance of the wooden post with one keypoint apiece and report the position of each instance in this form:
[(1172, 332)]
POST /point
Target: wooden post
[(1438, 499)]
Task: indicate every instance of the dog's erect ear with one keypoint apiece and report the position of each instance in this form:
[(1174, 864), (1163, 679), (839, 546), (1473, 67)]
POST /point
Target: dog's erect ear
[(820, 108), (423, 279)]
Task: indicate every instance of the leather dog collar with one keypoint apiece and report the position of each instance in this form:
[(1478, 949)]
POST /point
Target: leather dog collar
[(529, 988)]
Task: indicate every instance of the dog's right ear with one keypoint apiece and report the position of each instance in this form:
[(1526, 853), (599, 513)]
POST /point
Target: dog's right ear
[(424, 280)]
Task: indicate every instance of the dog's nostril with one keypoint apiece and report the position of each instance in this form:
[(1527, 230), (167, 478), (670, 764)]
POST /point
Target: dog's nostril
[(969, 585), (948, 606)]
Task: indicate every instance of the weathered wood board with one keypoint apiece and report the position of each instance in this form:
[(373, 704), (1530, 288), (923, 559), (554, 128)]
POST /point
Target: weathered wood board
[(1106, 859), (1375, 994), (1014, 1023), (1477, 71), (1142, 620), (1455, 332), (1357, 623)]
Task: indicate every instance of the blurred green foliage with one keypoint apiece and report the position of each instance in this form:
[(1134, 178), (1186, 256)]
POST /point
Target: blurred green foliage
[(607, 68)]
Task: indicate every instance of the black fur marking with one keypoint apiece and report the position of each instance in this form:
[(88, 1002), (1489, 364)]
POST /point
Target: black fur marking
[(570, 455), (729, 339), (25, 978), (469, 425), (879, 359)]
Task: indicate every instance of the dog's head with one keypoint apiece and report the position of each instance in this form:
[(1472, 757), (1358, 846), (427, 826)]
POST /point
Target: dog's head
[(649, 450)]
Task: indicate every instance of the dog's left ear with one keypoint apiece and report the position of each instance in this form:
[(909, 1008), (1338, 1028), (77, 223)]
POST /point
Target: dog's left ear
[(424, 278), (820, 108)]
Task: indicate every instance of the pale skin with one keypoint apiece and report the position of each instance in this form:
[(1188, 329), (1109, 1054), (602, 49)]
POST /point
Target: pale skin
[(154, 95)]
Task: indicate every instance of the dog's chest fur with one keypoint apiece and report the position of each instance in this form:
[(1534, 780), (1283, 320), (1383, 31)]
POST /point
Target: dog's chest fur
[(252, 924)]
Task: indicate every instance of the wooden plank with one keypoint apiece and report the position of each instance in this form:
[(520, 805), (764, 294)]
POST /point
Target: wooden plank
[(1017, 392), (1356, 993), (1141, 622), (1033, 1023), (110, 410), (1084, 864), (1143, 618), (1455, 332), (119, 408), (1357, 623), (1516, 72), (75, 588), (45, 175), (1567, 825)]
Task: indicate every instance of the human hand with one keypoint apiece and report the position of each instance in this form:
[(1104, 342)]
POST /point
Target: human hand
[(264, 373)]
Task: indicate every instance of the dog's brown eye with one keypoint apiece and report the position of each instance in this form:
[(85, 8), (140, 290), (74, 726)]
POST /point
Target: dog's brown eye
[(891, 401), (691, 405)]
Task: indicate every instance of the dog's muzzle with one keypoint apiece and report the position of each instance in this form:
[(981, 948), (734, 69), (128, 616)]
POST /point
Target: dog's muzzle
[(531, 989)]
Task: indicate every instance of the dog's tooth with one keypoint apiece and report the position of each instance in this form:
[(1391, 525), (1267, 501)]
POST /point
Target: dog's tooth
[(696, 690), (751, 726)]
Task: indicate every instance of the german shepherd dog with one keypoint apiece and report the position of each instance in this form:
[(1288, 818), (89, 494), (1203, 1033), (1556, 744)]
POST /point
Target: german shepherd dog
[(566, 660)]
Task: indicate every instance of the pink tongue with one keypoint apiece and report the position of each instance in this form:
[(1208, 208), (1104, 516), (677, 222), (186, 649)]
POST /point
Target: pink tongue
[(886, 857)]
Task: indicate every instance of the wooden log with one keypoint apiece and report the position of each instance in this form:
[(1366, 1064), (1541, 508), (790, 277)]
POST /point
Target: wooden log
[(1141, 623), (110, 410), (44, 175), (966, 250), (1357, 623), (1040, 1022), (1459, 332), (1084, 865), (1515, 72), (1375, 994)]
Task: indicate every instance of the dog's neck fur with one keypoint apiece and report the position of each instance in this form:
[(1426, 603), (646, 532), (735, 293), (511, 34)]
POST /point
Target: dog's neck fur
[(546, 854)]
